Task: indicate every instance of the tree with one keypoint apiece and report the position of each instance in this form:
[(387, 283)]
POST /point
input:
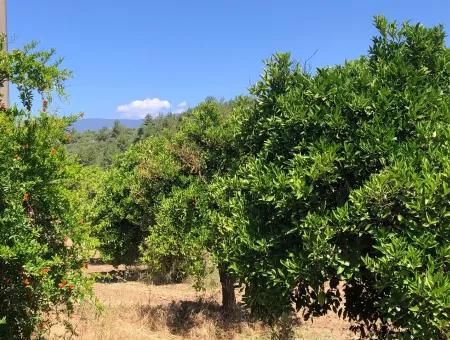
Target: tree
[(42, 246), (182, 236), (124, 206), (99, 148), (344, 178), (156, 196), (161, 125)]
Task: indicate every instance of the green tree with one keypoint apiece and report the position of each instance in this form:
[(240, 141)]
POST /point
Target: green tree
[(182, 236), (156, 195), (99, 148), (161, 125), (345, 179), (42, 247), (125, 205)]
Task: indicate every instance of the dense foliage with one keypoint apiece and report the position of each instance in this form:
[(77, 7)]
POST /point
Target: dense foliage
[(99, 148), (315, 186), (150, 169), (161, 125), (347, 180), (155, 205), (182, 236), (43, 247), (320, 184)]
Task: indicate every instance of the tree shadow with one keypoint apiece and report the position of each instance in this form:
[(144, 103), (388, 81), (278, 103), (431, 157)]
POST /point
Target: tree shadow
[(115, 276), (132, 274), (182, 316)]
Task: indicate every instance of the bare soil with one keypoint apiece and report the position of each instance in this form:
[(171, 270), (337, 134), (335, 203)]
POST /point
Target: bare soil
[(136, 310)]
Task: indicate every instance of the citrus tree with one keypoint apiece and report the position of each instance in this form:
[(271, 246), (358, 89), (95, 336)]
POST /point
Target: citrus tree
[(155, 205), (345, 179), (183, 235), (42, 246)]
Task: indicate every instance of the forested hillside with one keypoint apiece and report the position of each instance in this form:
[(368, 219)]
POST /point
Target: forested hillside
[(99, 147), (316, 192), (95, 124)]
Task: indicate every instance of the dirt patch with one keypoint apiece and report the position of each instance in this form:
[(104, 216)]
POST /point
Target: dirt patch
[(135, 310)]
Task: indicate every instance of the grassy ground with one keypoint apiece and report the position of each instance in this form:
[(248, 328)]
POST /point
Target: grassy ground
[(136, 310)]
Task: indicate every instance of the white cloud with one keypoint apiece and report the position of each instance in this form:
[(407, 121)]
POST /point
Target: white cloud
[(181, 107), (140, 108)]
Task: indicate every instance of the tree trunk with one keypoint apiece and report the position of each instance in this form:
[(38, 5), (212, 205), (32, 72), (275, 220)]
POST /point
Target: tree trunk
[(228, 295)]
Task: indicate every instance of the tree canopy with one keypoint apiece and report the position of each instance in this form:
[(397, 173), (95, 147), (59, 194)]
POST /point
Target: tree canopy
[(43, 247), (317, 192), (315, 186)]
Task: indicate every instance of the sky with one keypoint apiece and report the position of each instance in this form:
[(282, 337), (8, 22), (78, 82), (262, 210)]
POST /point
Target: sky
[(134, 57)]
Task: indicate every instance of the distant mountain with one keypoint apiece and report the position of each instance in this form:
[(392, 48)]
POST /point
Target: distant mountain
[(95, 124)]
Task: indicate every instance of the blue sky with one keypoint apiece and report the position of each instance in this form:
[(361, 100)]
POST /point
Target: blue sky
[(130, 57)]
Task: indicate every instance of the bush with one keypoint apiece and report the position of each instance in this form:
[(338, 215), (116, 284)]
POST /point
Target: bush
[(42, 246)]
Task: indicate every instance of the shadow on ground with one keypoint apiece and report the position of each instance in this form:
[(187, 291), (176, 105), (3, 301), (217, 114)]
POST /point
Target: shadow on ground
[(115, 276), (180, 317)]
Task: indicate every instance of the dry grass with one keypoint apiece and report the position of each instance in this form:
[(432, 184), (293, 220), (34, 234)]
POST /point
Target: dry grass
[(135, 310)]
